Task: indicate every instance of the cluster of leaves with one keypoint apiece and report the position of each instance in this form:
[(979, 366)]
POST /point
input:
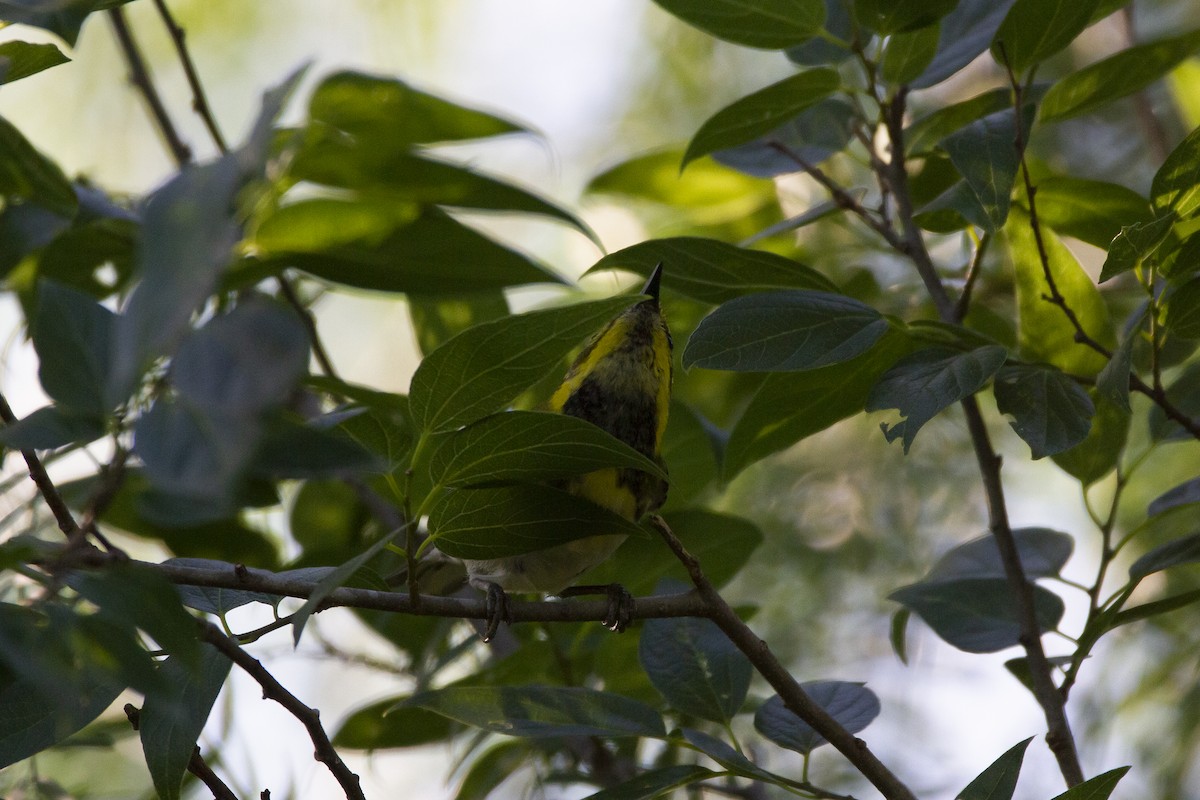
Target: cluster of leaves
[(201, 377)]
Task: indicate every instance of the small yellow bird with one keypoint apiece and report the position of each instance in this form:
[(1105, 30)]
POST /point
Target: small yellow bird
[(620, 382)]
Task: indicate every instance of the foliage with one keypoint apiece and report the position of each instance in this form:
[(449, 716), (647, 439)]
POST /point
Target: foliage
[(177, 343)]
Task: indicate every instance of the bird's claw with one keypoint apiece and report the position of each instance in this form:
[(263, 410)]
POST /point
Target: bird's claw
[(497, 610)]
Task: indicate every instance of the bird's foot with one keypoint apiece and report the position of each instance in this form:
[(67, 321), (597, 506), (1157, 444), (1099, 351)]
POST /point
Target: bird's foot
[(497, 610), (621, 605)]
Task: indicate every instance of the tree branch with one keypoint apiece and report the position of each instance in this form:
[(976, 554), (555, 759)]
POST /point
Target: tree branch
[(793, 696), (196, 764), (41, 479), (139, 75), (274, 690), (199, 100)]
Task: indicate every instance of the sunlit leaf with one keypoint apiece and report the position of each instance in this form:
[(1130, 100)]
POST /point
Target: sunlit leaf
[(1098, 454), (1133, 244), (1092, 211), (1176, 185), (1034, 30)]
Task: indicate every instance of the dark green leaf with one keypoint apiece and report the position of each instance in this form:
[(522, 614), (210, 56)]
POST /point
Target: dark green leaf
[(52, 427), (1043, 554), (922, 135), (1098, 454), (25, 228), (1173, 553), (333, 579), (784, 331), (898, 16), (73, 335), (1176, 185), (814, 135), (853, 705), (289, 449), (1133, 244), (542, 711), (998, 781), (762, 112), (391, 114), (712, 271), (977, 615), (898, 634), (1147, 610), (725, 755), (1112, 383), (1183, 310), (692, 448), (789, 407), (908, 54), (494, 523), (923, 384), (138, 595), (984, 152), (1050, 411), (436, 319), (772, 24), (382, 245), (1118, 75), (485, 367), (655, 783), (194, 453), (705, 186), (954, 209), (1092, 211), (1185, 493), (25, 59), (213, 600), (531, 446), (1046, 334), (1099, 787), (26, 174), (695, 666), (1183, 394), (1019, 668), (965, 33), (492, 768), (1034, 30), (382, 726), (172, 718)]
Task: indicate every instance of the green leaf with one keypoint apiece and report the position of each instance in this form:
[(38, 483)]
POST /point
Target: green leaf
[(214, 600), (138, 595), (1122, 74), (25, 59), (655, 783), (1099, 787), (483, 524), (243, 362), (436, 319), (1182, 393), (1092, 211), (1098, 454), (290, 449), (73, 335), (1173, 553), (712, 271), (691, 448), (1112, 384), (726, 756), (391, 114), (899, 16), (977, 615), (898, 634), (771, 24), (531, 446), (695, 667), (1183, 310), (998, 781), (1043, 552), (984, 151), (382, 245), (1045, 332), (400, 175), (172, 718), (383, 726), (1135, 243), (334, 579), (1050, 411), (922, 135), (784, 331), (1176, 185), (485, 367), (24, 229), (925, 383), (813, 135), (1034, 30), (908, 54), (1019, 668), (761, 112), (853, 705), (51, 427), (543, 711), (1185, 493), (705, 188), (789, 407), (1147, 610), (965, 33), (28, 175)]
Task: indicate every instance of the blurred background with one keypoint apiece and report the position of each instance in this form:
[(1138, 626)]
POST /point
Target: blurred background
[(847, 518)]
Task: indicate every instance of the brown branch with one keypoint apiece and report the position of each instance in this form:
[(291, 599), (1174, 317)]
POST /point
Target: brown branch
[(139, 75), (199, 100), (973, 271), (41, 479), (794, 697), (310, 325), (274, 690), (196, 764)]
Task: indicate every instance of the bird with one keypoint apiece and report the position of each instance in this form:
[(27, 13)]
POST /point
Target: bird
[(620, 382)]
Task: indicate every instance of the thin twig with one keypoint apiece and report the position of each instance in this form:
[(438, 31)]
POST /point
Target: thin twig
[(41, 479), (199, 100), (310, 325), (139, 75), (973, 271), (794, 697), (309, 717), (196, 764)]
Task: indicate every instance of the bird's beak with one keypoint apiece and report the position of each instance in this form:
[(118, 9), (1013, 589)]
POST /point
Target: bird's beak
[(652, 285)]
